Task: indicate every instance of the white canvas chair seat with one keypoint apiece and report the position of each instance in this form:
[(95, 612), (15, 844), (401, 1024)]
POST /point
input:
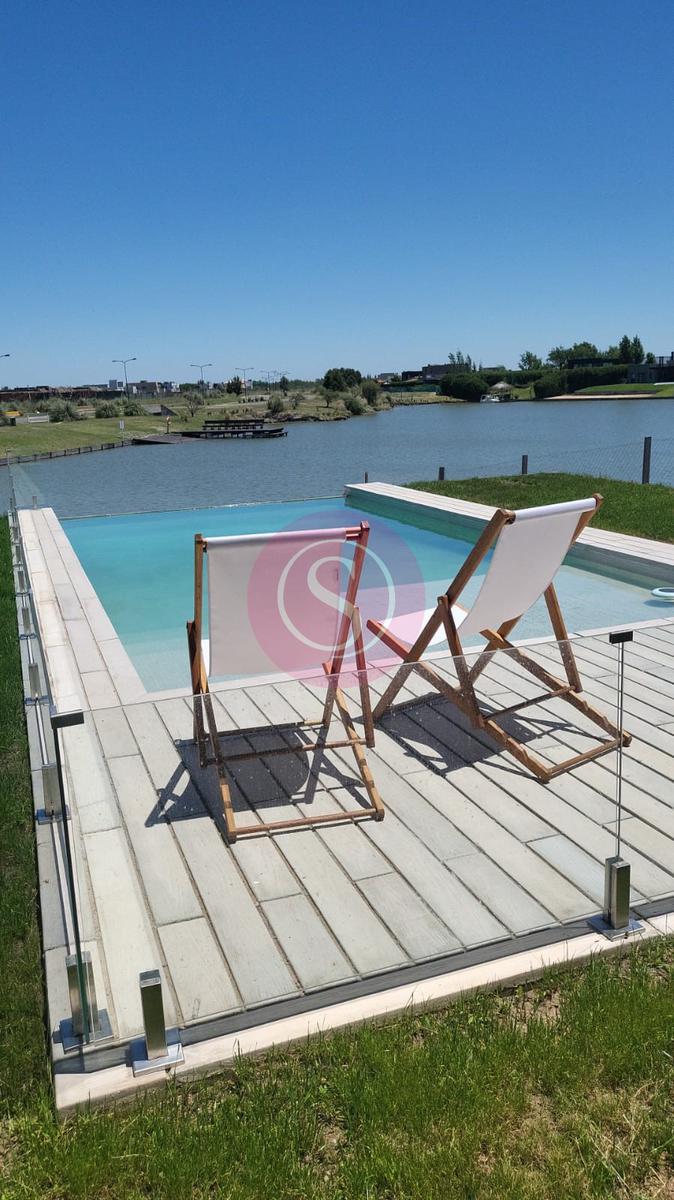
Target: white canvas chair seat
[(280, 603), (527, 549)]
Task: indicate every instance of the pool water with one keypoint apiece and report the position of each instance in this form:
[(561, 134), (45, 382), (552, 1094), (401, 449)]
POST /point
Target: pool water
[(142, 567)]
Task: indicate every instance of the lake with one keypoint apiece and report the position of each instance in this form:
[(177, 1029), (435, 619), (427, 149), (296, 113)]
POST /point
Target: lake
[(594, 436)]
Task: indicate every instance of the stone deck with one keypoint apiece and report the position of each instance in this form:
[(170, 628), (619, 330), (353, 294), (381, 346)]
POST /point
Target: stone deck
[(475, 860)]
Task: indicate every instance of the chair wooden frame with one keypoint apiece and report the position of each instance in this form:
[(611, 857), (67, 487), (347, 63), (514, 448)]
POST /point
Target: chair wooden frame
[(498, 639), (206, 732)]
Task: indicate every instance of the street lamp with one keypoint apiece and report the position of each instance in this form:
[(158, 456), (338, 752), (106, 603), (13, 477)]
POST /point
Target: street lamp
[(200, 367), (124, 361), (242, 371)]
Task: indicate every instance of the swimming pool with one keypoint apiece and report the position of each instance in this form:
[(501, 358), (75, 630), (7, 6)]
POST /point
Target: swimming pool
[(141, 566)]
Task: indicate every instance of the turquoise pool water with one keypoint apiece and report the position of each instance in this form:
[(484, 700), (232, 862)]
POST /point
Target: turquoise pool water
[(142, 569)]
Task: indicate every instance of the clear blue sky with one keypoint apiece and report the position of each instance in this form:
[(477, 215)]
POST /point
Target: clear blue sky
[(297, 185)]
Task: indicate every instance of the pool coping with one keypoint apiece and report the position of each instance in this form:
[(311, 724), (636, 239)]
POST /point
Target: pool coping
[(74, 1089), (598, 546), (72, 618)]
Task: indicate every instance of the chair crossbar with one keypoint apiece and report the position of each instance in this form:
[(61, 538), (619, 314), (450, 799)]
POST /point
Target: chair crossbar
[(539, 699)]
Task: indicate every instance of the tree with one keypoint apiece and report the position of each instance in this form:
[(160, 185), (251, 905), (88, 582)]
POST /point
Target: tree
[(625, 349), (650, 357), (333, 380), (369, 390), (339, 379), (530, 361), (560, 356), (235, 386), (637, 350), (284, 384), (459, 359), (193, 400)]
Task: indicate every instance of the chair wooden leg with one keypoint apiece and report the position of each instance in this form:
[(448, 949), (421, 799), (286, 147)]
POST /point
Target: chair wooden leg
[(359, 754), (363, 685), (225, 793)]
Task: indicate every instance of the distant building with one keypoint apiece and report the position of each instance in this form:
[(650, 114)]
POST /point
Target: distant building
[(661, 371), (386, 376), (434, 372), (592, 361)]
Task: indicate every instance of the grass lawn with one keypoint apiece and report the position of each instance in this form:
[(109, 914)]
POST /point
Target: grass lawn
[(88, 431), (627, 389), (646, 511), (562, 1089)]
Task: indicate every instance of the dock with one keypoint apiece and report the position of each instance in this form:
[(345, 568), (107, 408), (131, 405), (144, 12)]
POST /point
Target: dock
[(231, 427)]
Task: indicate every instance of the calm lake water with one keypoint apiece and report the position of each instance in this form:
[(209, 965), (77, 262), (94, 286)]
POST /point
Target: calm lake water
[(405, 444)]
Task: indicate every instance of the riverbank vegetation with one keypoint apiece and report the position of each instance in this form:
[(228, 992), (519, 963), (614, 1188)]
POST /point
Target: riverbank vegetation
[(644, 510)]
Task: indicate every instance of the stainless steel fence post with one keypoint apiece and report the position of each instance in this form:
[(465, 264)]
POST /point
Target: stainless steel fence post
[(161, 1048), (74, 991), (615, 920)]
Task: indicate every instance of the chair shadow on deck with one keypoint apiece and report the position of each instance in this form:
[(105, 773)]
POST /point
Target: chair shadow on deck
[(259, 784), (432, 731)]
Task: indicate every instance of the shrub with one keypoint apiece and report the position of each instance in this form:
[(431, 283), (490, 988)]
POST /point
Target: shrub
[(550, 384), (355, 406), (63, 411), (131, 408), (463, 387), (370, 390), (581, 377), (274, 405), (575, 378), (525, 377), (107, 408)]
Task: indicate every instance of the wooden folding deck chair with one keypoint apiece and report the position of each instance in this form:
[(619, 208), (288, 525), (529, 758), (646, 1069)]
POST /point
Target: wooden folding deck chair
[(247, 622), (528, 548)]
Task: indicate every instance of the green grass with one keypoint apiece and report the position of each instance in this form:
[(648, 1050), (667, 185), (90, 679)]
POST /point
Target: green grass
[(22, 1043), (627, 389), (563, 1089), (646, 511), (88, 431)]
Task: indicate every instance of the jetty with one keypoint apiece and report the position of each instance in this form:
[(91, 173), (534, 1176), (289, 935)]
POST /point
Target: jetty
[(235, 427)]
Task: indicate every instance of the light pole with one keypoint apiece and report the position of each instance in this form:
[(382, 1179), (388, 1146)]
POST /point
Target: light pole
[(242, 371), (200, 367), (124, 361)]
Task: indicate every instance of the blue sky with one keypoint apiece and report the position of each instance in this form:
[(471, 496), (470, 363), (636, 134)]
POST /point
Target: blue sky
[(297, 185)]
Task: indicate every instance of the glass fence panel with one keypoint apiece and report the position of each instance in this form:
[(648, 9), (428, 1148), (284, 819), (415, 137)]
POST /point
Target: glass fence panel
[(75, 1015), (282, 837)]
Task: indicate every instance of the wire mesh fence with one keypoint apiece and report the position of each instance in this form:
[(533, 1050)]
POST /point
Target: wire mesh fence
[(194, 475)]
